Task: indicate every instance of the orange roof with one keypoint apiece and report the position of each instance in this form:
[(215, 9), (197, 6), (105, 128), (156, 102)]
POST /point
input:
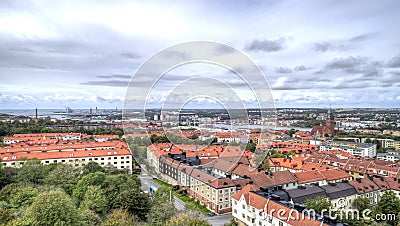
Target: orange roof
[(335, 174), (88, 145), (8, 157), (309, 177)]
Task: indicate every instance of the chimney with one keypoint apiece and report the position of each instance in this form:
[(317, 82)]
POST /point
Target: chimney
[(36, 113)]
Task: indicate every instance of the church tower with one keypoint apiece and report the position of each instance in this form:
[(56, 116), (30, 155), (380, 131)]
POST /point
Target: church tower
[(330, 122)]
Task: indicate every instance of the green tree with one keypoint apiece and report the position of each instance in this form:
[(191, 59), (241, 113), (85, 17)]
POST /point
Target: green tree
[(53, 208), (185, 220), (7, 192), (5, 216), (23, 197), (92, 167), (389, 204), (3, 177), (119, 218), (92, 179), (33, 171), (160, 212), (318, 204), (119, 183), (90, 218), (65, 176), (361, 204), (95, 199), (251, 147), (135, 202)]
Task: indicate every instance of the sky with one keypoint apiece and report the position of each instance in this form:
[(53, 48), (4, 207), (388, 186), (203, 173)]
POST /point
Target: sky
[(83, 54)]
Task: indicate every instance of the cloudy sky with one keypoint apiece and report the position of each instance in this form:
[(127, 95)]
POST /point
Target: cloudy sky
[(83, 54)]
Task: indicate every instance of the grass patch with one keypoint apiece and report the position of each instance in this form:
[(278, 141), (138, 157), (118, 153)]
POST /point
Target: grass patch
[(189, 202)]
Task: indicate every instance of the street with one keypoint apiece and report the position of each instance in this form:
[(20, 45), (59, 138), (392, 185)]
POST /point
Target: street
[(147, 181)]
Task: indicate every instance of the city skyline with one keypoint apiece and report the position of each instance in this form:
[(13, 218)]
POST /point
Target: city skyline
[(313, 54)]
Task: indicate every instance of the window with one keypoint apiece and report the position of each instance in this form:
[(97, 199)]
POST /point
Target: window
[(102, 158), (234, 210), (63, 160), (115, 157), (46, 161), (280, 223), (220, 200), (243, 207)]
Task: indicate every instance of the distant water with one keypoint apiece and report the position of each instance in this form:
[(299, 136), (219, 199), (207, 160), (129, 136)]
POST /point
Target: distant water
[(30, 112)]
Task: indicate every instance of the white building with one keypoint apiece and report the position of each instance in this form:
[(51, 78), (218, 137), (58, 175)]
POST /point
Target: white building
[(250, 208)]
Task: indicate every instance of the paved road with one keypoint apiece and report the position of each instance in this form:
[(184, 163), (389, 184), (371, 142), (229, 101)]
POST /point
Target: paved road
[(219, 220), (147, 181)]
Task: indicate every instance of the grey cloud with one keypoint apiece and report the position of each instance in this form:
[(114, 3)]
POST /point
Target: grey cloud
[(115, 83), (342, 45), (267, 45), (302, 68), (355, 65), (394, 62), (322, 47), (130, 55), (115, 76), (344, 63), (363, 37), (283, 70)]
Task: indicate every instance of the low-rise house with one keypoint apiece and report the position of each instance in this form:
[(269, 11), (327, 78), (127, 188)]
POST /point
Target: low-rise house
[(340, 194), (280, 179), (366, 187), (302, 193), (310, 177)]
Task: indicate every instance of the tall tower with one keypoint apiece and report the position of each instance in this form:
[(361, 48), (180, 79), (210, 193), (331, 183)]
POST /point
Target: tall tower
[(330, 121)]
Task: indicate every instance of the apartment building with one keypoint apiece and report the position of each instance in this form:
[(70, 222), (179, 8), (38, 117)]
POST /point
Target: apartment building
[(106, 137), (249, 207), (42, 137), (114, 153), (357, 149)]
